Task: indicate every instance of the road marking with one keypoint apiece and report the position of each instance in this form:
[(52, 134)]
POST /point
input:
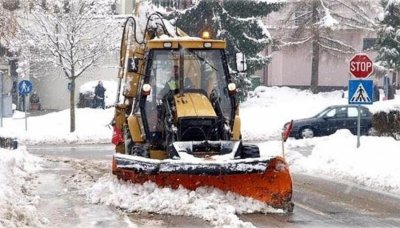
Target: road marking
[(312, 210)]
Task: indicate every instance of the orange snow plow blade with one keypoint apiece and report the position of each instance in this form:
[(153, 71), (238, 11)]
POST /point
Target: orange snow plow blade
[(271, 185)]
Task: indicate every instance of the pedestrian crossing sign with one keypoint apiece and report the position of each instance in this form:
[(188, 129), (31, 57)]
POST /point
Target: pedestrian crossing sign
[(361, 92)]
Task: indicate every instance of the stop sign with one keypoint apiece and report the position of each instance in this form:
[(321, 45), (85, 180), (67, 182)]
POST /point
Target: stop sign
[(361, 66)]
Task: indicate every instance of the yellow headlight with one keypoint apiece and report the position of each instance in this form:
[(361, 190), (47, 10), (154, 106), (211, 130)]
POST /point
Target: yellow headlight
[(205, 35)]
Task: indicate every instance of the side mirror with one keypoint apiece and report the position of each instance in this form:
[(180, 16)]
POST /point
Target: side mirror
[(133, 64), (241, 64)]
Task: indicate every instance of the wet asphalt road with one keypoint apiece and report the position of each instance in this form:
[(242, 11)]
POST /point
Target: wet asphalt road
[(318, 202)]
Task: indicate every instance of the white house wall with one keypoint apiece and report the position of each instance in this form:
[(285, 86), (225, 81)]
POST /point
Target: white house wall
[(53, 88)]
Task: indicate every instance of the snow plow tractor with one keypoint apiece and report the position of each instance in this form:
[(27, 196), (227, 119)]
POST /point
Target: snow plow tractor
[(177, 119)]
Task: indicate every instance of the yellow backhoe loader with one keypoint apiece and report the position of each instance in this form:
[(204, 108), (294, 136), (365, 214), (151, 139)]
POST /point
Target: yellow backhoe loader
[(177, 123)]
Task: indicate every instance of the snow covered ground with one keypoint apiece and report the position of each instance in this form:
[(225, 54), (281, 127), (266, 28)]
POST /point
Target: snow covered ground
[(92, 126), (264, 115), (17, 204), (374, 164)]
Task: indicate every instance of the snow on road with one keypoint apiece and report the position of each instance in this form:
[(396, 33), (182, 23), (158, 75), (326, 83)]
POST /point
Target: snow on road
[(213, 205), (17, 203), (374, 165)]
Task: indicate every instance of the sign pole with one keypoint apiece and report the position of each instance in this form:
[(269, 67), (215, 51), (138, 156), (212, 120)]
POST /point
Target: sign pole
[(358, 126), (360, 92), (24, 88), (26, 118)]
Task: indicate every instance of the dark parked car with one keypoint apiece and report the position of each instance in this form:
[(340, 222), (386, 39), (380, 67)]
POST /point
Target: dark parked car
[(331, 119)]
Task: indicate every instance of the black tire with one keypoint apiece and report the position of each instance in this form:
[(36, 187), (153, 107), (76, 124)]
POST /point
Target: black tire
[(306, 133)]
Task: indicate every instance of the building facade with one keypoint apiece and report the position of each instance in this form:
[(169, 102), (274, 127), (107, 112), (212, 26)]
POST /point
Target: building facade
[(291, 64)]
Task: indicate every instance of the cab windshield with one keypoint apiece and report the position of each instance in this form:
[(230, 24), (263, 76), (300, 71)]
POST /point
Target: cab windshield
[(201, 72)]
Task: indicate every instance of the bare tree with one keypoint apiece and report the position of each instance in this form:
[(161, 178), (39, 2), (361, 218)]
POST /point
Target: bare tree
[(8, 24), (71, 34), (314, 21)]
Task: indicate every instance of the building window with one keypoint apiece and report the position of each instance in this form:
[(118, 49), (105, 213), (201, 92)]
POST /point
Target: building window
[(368, 43)]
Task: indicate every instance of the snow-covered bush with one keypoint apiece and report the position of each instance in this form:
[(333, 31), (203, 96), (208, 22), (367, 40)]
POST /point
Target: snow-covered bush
[(387, 123)]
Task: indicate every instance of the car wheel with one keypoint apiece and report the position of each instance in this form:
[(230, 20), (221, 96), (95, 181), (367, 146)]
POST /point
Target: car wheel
[(306, 133)]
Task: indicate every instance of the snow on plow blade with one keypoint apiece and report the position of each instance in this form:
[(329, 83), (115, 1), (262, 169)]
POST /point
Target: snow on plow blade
[(266, 180)]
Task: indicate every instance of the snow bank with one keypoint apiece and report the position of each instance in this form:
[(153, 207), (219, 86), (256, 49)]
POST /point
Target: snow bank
[(17, 205), (213, 205), (264, 115), (374, 164), (91, 127)]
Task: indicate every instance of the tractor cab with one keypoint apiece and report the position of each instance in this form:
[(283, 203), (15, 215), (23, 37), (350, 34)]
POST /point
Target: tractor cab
[(186, 95)]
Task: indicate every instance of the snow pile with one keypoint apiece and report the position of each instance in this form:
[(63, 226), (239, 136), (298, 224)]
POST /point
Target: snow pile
[(213, 205), (375, 164), (269, 108), (17, 205), (386, 106), (264, 115), (91, 127)]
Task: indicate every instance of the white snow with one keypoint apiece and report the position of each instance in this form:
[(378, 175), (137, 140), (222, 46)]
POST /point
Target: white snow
[(264, 115), (217, 207), (374, 164), (92, 126), (17, 204)]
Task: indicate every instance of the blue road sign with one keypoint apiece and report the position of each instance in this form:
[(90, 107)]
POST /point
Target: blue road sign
[(361, 92), (24, 87)]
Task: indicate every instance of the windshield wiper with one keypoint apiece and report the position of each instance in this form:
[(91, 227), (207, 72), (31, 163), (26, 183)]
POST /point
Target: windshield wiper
[(202, 59)]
